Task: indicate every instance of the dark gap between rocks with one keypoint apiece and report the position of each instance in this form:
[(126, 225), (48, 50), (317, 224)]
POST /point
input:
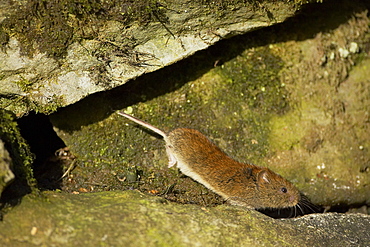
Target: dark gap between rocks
[(44, 143)]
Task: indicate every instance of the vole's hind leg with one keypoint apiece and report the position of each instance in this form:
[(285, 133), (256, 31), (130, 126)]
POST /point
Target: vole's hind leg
[(171, 158)]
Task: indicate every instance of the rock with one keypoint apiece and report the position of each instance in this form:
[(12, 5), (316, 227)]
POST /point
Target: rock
[(47, 65), (343, 52), (6, 174), (354, 48), (130, 218)]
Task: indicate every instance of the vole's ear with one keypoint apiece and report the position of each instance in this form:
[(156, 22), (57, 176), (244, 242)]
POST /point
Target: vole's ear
[(263, 177)]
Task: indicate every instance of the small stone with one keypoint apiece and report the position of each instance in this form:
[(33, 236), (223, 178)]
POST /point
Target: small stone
[(353, 47), (343, 52), (33, 230), (128, 110), (332, 56)]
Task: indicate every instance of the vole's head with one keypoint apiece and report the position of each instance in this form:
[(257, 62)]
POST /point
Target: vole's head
[(261, 188), (274, 191)]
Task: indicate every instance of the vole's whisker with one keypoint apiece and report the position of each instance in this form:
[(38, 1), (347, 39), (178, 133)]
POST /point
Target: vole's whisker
[(300, 208), (314, 208)]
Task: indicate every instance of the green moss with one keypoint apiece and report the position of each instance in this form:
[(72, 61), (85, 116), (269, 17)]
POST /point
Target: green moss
[(255, 75), (129, 218), (251, 89), (24, 84), (20, 153), (285, 133)]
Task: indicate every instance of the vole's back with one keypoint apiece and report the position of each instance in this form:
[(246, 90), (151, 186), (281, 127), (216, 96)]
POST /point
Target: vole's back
[(194, 147), (239, 183)]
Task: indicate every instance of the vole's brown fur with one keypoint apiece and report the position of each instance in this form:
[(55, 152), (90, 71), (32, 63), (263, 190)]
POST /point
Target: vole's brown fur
[(238, 183)]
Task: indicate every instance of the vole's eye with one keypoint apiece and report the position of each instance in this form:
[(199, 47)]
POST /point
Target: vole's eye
[(284, 190)]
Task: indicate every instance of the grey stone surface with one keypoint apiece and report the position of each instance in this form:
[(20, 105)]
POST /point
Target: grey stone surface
[(6, 174), (43, 83)]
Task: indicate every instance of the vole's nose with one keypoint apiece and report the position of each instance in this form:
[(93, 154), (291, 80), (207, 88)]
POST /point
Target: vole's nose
[(293, 199)]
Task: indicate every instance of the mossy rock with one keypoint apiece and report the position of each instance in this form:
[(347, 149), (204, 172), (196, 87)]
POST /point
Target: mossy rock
[(130, 218), (19, 159)]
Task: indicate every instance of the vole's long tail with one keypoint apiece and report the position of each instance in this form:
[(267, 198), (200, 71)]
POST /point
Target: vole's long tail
[(142, 123)]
